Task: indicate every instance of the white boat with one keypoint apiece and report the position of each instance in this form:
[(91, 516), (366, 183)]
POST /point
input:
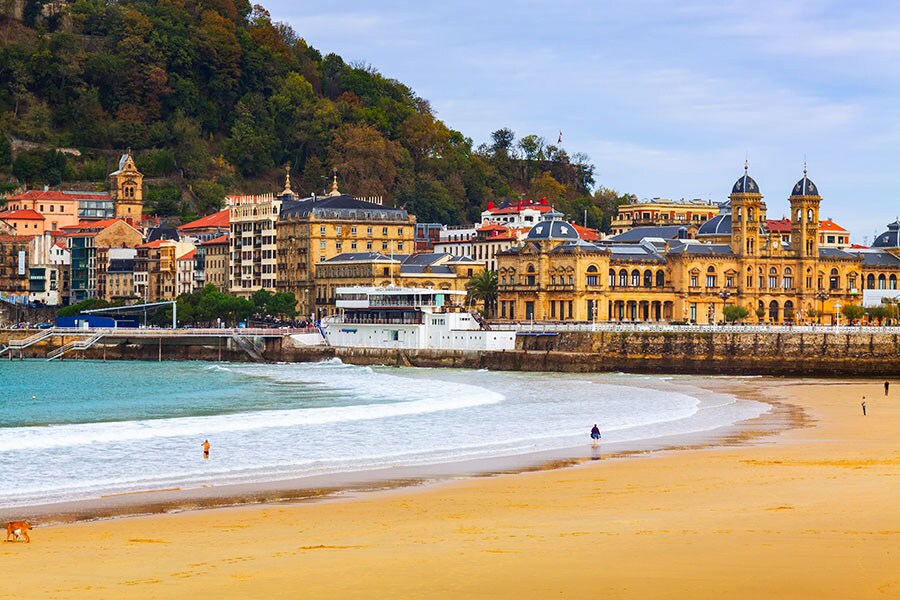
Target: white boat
[(409, 318)]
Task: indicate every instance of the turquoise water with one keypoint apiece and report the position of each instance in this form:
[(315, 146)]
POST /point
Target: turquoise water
[(90, 428)]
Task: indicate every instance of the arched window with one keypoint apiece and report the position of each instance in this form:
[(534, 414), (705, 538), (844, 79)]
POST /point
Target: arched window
[(635, 278), (711, 277), (592, 275), (799, 215), (740, 214), (612, 278), (882, 282), (773, 278), (529, 277), (648, 278), (530, 269), (788, 309), (592, 269), (834, 280), (809, 216), (773, 310), (892, 282), (660, 278), (623, 278), (750, 214), (870, 281)]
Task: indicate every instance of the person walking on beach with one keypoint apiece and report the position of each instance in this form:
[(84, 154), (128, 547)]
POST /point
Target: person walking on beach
[(595, 435), (864, 405), (205, 448), (887, 387)]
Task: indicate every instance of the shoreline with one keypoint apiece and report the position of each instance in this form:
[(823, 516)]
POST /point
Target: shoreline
[(314, 488), (808, 513)]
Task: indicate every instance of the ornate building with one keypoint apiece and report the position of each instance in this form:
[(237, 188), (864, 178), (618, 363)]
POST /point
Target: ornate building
[(315, 229), (555, 275)]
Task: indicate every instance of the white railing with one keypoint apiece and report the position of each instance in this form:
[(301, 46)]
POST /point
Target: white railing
[(538, 327), (23, 343)]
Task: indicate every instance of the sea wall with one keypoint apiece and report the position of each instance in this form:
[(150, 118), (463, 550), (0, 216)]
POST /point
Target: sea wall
[(713, 353)]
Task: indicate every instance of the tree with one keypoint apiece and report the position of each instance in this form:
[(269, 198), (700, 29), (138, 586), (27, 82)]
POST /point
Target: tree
[(854, 312), (367, 163), (283, 305), (261, 299), (735, 312), (760, 313), (483, 288)]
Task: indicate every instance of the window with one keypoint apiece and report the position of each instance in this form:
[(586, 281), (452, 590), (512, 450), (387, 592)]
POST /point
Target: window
[(553, 280), (369, 245), (384, 231), (693, 281), (635, 278), (592, 280), (338, 244), (353, 245), (384, 245), (400, 231), (322, 244), (710, 281), (338, 230), (369, 230), (399, 246), (729, 281), (322, 230)]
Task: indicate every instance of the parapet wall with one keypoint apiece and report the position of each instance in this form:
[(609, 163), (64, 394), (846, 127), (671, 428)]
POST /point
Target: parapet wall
[(711, 353)]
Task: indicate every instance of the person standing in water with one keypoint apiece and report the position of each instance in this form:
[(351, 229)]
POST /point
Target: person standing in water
[(205, 448), (887, 387), (595, 435), (863, 404)]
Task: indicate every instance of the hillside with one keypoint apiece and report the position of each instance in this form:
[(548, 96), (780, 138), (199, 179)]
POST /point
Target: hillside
[(213, 96)]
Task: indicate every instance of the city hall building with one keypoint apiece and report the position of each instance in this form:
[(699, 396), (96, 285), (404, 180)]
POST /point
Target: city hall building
[(654, 275)]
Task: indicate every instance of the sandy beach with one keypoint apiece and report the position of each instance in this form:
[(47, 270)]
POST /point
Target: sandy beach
[(807, 513)]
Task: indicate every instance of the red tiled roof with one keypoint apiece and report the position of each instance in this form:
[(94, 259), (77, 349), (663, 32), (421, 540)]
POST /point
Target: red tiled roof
[(586, 233), (189, 256), (57, 195), (784, 226), (516, 208), (24, 214), (16, 238), (222, 239), (492, 227), (217, 219), (829, 225)]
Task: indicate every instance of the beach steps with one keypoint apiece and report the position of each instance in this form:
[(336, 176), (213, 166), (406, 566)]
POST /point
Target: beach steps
[(76, 345), (248, 345), (23, 343)]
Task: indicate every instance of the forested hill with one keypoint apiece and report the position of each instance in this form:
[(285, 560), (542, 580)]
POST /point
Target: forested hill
[(213, 96)]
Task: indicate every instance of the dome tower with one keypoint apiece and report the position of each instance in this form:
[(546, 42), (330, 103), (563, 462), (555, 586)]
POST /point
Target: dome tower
[(805, 202), (748, 215)]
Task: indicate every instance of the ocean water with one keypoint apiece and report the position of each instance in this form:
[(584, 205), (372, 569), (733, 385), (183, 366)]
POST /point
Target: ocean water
[(83, 429)]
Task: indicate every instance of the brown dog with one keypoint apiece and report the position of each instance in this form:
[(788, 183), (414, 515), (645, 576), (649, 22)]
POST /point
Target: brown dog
[(19, 529)]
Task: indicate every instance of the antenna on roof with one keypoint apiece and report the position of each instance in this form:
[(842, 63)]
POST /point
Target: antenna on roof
[(804, 165)]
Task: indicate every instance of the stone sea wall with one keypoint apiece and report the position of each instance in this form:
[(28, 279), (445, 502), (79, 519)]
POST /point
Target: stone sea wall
[(718, 353)]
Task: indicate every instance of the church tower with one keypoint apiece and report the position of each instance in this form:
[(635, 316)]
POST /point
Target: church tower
[(748, 216), (805, 202), (126, 189)]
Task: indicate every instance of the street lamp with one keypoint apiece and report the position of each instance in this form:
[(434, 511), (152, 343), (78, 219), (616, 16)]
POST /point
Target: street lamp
[(837, 313), (822, 296), (724, 295)]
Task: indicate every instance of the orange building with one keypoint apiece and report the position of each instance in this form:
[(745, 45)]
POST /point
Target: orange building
[(24, 221)]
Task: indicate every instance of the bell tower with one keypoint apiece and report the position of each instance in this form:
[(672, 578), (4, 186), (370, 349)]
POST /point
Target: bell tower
[(126, 189), (748, 215), (805, 202)]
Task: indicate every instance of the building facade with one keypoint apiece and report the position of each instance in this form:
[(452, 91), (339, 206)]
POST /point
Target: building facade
[(660, 212), (313, 230), (436, 271), (736, 259)]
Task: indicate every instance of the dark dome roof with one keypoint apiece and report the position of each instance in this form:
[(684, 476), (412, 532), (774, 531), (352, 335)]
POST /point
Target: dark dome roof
[(890, 238), (553, 230), (718, 225), (745, 185), (805, 187)]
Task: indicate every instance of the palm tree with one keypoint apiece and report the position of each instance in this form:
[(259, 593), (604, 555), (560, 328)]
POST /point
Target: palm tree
[(483, 287)]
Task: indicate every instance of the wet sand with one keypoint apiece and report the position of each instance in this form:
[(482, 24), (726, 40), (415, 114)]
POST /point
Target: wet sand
[(807, 512)]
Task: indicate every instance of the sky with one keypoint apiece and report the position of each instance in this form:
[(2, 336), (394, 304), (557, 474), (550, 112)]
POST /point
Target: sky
[(667, 98)]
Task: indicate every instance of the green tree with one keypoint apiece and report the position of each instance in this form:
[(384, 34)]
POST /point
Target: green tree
[(261, 299), (853, 312), (736, 312), (5, 151), (483, 287), (282, 305)]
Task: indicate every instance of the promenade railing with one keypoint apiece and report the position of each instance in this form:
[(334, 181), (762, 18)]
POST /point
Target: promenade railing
[(543, 327)]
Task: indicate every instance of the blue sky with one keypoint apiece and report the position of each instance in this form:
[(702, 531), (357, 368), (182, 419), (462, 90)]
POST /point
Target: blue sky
[(667, 98)]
